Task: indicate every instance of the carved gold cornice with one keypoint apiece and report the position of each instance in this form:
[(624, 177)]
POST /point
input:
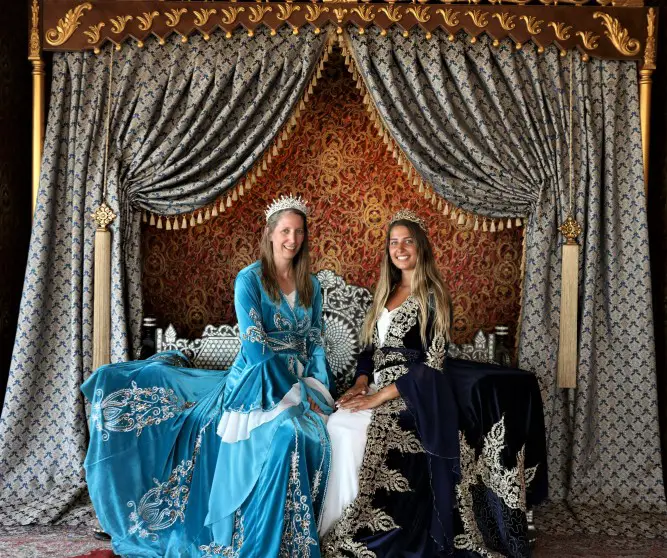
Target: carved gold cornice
[(589, 39), (93, 33), (449, 16), (421, 13), (605, 32), (146, 19), (118, 23), (618, 35), (202, 16), (532, 24), (506, 20), (560, 30), (67, 25)]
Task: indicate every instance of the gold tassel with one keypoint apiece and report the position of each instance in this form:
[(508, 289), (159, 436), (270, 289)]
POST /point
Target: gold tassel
[(184, 223), (241, 189), (152, 221), (567, 343), (453, 214), (192, 220), (199, 218), (102, 298), (445, 210), (493, 226), (222, 205), (214, 211), (275, 150), (168, 227), (176, 224), (509, 224), (476, 225), (484, 227), (518, 222), (144, 217), (207, 215), (264, 165), (229, 201), (439, 204), (421, 187), (462, 219), (500, 225), (159, 222), (234, 195)]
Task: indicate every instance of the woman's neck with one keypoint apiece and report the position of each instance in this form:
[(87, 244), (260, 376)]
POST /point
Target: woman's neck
[(284, 269), (406, 280)]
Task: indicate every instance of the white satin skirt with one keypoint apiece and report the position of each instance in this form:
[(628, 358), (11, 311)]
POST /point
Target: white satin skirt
[(347, 431)]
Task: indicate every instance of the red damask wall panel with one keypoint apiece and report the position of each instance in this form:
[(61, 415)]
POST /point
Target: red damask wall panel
[(336, 160)]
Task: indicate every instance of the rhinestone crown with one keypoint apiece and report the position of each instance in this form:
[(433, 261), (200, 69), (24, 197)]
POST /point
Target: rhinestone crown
[(407, 215), (287, 202)]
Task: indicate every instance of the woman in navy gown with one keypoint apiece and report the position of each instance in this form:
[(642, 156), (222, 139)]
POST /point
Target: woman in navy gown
[(395, 438)]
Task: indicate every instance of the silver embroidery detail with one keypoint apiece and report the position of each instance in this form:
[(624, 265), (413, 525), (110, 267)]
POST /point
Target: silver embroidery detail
[(134, 408), (435, 356), (402, 322), (296, 539), (389, 375), (231, 551), (165, 503), (294, 338), (508, 484)]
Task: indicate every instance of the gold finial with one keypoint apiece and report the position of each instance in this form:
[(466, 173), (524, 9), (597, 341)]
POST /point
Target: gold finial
[(570, 229), (104, 216)]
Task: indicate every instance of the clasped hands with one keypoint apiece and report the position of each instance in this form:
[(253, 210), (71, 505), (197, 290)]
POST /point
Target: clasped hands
[(357, 397)]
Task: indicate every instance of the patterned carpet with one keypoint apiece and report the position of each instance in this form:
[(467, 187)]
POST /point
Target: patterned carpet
[(68, 542)]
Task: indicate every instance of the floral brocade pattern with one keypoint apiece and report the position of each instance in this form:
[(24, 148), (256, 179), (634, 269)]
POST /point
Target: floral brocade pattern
[(336, 160)]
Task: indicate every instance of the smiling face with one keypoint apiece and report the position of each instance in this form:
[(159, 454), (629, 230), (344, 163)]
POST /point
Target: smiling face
[(402, 248), (287, 236)]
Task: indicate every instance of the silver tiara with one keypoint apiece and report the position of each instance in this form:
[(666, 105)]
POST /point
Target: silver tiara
[(286, 202), (407, 215)]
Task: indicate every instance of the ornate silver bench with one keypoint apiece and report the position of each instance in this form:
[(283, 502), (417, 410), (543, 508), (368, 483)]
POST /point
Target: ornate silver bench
[(344, 309)]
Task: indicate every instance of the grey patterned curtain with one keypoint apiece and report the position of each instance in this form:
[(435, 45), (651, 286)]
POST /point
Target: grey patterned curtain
[(488, 127), (187, 121)]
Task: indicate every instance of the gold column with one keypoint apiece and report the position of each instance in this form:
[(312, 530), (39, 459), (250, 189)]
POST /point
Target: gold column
[(645, 82), (35, 56)]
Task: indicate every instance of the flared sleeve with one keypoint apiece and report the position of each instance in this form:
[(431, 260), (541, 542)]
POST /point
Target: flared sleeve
[(317, 373), (428, 395)]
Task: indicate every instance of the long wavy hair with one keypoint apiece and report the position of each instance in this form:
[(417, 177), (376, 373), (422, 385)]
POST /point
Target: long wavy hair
[(300, 263), (427, 288)]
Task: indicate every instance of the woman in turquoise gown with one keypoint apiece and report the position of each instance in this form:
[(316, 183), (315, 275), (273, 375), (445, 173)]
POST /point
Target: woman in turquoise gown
[(186, 462)]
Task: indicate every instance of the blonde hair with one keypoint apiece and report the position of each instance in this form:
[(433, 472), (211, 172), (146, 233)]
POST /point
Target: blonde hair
[(300, 263), (428, 288)]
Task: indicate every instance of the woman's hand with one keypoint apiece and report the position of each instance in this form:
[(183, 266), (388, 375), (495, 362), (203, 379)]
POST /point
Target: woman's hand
[(360, 387), (363, 402)]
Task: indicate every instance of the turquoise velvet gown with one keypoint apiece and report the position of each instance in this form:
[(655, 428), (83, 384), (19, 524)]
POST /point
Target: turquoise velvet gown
[(185, 462)]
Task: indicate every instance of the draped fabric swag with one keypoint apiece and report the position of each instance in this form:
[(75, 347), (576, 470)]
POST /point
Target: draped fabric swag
[(488, 128), (187, 121)]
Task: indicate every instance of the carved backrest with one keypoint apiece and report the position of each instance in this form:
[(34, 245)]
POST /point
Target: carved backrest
[(344, 308)]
